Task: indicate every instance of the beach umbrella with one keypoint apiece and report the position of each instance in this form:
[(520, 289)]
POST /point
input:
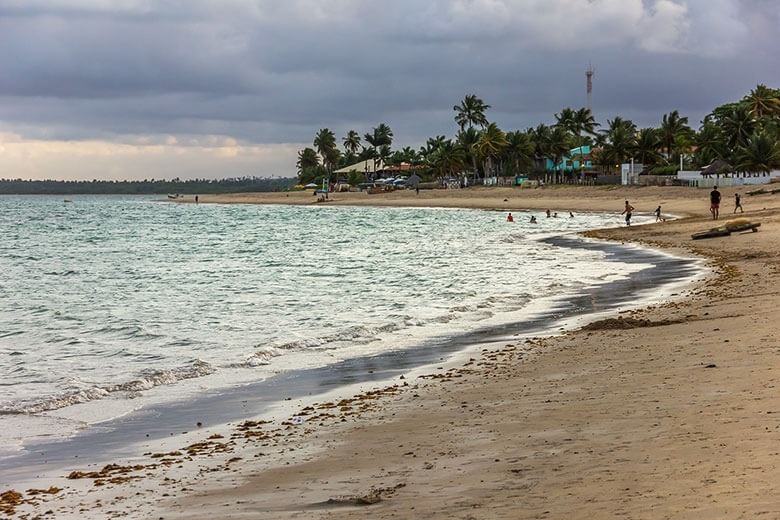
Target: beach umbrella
[(312, 185)]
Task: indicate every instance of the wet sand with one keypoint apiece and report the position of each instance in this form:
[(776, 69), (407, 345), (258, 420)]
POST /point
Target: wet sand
[(666, 412)]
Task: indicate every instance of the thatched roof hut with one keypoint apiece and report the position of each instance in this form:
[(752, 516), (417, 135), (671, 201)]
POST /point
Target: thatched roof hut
[(717, 167)]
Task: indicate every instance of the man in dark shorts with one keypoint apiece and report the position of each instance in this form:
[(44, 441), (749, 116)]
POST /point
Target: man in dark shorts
[(714, 203), (628, 211), (738, 203)]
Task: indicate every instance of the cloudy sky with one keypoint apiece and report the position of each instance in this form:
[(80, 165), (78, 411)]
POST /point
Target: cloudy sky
[(134, 89)]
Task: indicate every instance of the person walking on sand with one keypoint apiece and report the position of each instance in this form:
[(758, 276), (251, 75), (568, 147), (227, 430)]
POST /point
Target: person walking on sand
[(714, 203), (657, 213), (628, 211), (738, 203)]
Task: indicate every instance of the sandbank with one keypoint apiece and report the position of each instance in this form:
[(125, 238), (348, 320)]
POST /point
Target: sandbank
[(670, 411)]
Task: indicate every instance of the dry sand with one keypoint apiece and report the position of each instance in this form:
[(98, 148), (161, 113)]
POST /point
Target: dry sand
[(667, 412)]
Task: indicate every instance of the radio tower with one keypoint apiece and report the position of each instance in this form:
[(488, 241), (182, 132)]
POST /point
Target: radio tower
[(589, 75)]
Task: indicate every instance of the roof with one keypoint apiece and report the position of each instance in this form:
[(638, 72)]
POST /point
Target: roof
[(715, 167), (362, 166)]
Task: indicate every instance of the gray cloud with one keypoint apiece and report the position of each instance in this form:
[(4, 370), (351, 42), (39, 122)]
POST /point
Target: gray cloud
[(268, 72)]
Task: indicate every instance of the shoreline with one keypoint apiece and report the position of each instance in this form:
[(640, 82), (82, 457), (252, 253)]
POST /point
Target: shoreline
[(115, 439), (481, 437)]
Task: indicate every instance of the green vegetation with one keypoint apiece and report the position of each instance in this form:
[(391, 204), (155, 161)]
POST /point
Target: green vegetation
[(745, 134), (145, 187)]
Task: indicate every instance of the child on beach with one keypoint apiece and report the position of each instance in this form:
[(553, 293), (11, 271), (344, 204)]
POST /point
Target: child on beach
[(738, 204)]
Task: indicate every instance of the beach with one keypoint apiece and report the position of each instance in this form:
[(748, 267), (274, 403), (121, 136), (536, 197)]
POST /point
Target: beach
[(669, 411)]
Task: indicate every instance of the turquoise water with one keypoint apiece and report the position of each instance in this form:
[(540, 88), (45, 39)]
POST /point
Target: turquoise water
[(114, 301)]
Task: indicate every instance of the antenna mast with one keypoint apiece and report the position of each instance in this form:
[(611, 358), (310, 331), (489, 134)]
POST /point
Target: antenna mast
[(589, 75)]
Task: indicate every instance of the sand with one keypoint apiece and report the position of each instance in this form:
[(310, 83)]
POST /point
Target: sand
[(672, 411)]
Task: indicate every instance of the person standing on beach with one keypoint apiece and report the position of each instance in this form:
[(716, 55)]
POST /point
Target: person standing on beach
[(628, 211), (714, 203), (738, 203), (658, 213)]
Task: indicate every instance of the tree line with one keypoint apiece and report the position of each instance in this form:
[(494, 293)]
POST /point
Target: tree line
[(144, 187), (744, 134)]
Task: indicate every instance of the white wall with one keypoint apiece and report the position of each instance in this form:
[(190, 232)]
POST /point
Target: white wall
[(737, 179)]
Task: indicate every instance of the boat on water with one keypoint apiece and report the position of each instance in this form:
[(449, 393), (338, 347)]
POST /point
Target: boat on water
[(174, 196)]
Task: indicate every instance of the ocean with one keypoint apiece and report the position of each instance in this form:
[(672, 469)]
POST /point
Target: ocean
[(113, 309)]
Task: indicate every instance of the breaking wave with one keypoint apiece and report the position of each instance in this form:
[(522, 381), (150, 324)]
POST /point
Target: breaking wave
[(147, 380)]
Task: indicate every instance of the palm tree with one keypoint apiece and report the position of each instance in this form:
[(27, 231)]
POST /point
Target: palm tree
[(448, 159), (738, 125), (471, 112), (431, 145), (761, 154), (619, 141), (559, 146), (352, 142), (384, 152), (763, 101), (379, 136), (468, 139), (710, 144), (307, 158), (325, 143), (520, 150), (406, 155), (648, 142), (540, 136), (672, 126), (566, 119), (584, 122), (492, 140)]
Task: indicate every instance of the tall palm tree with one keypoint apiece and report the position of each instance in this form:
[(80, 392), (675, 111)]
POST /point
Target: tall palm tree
[(406, 155), (584, 122), (492, 140), (763, 101), (672, 126), (468, 139), (710, 144), (307, 158), (448, 159), (738, 125), (369, 153), (566, 119), (619, 141), (519, 150), (431, 145), (471, 112), (540, 136), (761, 154), (384, 152), (325, 143), (352, 142), (559, 146), (648, 142), (378, 137)]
